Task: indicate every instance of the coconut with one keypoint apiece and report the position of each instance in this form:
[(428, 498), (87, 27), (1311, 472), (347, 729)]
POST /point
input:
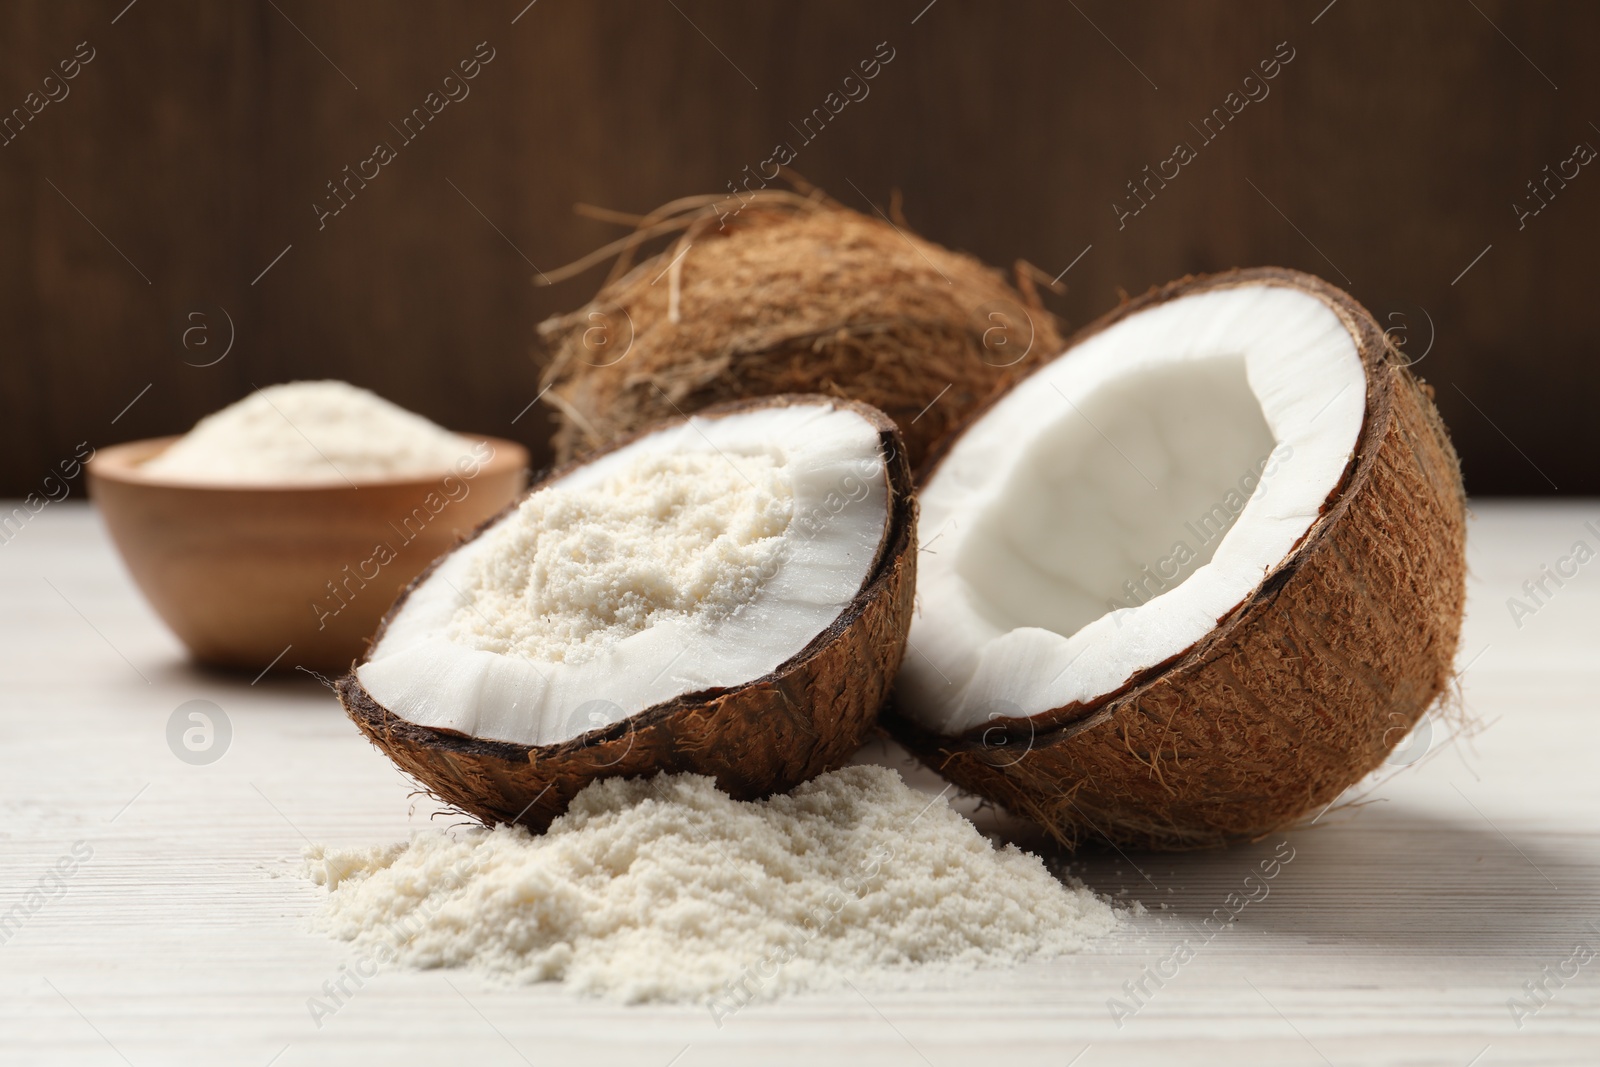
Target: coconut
[(788, 294), (1193, 579), (726, 595)]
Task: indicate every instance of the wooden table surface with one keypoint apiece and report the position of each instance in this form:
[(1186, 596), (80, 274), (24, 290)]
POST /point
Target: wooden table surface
[(1398, 933)]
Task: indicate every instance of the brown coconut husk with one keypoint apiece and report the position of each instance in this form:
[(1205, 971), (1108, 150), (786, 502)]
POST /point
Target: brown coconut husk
[(1301, 690), (804, 718), (787, 293)]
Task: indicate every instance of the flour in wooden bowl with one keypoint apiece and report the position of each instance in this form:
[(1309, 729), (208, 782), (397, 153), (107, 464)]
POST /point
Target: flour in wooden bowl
[(309, 433), (665, 889)]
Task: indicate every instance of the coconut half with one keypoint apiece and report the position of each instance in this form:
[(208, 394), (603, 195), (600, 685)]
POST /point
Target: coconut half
[(726, 595), (1195, 577)]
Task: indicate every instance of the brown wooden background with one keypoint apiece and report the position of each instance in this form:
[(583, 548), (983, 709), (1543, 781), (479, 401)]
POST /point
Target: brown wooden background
[(1386, 158)]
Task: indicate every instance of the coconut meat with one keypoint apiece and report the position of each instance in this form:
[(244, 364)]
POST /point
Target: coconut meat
[(1110, 510), (700, 556)]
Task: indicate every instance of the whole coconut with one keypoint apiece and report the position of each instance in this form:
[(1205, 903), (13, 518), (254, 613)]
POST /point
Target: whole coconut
[(784, 294)]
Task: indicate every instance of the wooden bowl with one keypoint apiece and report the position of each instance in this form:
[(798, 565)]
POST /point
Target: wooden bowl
[(250, 576)]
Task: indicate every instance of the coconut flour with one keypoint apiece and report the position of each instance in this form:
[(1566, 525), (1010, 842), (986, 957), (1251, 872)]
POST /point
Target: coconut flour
[(667, 889), (576, 569), (309, 433)]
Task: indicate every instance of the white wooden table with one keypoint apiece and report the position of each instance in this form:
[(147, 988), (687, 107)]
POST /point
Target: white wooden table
[(1395, 936)]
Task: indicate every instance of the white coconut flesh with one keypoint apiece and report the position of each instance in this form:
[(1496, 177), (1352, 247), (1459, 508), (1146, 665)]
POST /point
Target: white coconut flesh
[(699, 556), (1109, 511)]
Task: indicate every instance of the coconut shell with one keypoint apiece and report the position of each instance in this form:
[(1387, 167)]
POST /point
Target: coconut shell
[(806, 717), (792, 296), (1302, 689)]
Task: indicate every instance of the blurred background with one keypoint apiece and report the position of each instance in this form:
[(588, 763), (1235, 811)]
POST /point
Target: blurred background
[(171, 238)]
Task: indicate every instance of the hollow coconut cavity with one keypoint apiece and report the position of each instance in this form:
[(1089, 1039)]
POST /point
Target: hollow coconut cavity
[(1194, 578), (726, 595), (780, 293)]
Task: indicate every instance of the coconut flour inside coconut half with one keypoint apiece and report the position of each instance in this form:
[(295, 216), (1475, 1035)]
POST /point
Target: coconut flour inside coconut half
[(700, 556), (686, 537)]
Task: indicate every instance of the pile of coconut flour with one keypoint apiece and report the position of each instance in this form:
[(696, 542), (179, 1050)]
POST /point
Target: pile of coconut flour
[(667, 889), (309, 433), (687, 535)]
